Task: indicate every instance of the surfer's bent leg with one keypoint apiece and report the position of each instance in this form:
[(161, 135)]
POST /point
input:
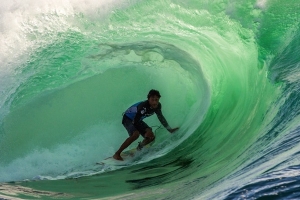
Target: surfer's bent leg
[(133, 135), (148, 137)]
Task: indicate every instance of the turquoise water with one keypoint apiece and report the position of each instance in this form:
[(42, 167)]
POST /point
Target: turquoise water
[(228, 73)]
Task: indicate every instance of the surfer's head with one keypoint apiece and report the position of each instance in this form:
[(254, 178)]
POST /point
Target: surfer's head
[(153, 93), (153, 98)]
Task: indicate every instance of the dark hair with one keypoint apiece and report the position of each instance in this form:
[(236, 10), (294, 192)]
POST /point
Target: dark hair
[(153, 93)]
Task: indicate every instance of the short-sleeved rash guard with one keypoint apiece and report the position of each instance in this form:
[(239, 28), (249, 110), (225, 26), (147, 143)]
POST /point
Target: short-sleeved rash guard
[(141, 110)]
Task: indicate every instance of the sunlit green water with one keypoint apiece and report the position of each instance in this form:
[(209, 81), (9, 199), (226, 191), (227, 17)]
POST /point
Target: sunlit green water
[(218, 66)]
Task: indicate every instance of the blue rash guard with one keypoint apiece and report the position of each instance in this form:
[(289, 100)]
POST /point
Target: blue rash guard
[(141, 110)]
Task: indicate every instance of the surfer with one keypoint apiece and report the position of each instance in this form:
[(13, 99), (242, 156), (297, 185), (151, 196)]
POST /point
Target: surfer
[(135, 126)]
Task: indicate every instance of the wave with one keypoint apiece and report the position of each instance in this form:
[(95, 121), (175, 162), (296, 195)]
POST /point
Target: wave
[(227, 72)]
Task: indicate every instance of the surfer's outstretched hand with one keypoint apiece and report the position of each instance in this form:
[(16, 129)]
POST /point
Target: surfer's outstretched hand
[(172, 130)]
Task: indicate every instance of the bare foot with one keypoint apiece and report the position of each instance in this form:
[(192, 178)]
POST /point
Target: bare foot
[(117, 157)]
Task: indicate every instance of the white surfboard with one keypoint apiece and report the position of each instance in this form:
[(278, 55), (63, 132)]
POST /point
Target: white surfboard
[(128, 157)]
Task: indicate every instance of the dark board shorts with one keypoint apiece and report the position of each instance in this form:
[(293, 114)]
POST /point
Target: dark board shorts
[(140, 127)]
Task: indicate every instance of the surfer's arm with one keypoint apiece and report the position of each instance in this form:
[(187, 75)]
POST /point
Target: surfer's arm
[(163, 120)]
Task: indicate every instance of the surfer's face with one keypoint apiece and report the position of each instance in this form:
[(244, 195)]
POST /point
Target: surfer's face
[(153, 101)]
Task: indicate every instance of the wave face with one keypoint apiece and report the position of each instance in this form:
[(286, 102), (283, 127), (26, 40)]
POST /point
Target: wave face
[(228, 72)]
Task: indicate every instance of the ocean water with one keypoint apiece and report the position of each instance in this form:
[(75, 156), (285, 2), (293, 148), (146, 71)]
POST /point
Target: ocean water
[(228, 72)]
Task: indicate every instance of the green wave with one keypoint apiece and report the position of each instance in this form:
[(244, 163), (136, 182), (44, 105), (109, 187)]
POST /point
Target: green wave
[(214, 64)]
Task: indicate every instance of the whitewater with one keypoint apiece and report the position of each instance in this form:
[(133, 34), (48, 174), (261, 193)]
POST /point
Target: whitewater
[(228, 72)]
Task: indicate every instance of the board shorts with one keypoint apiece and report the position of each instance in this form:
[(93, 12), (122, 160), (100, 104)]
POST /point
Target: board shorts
[(140, 127)]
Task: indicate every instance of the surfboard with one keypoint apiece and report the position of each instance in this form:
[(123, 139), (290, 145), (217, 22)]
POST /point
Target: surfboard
[(127, 156)]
